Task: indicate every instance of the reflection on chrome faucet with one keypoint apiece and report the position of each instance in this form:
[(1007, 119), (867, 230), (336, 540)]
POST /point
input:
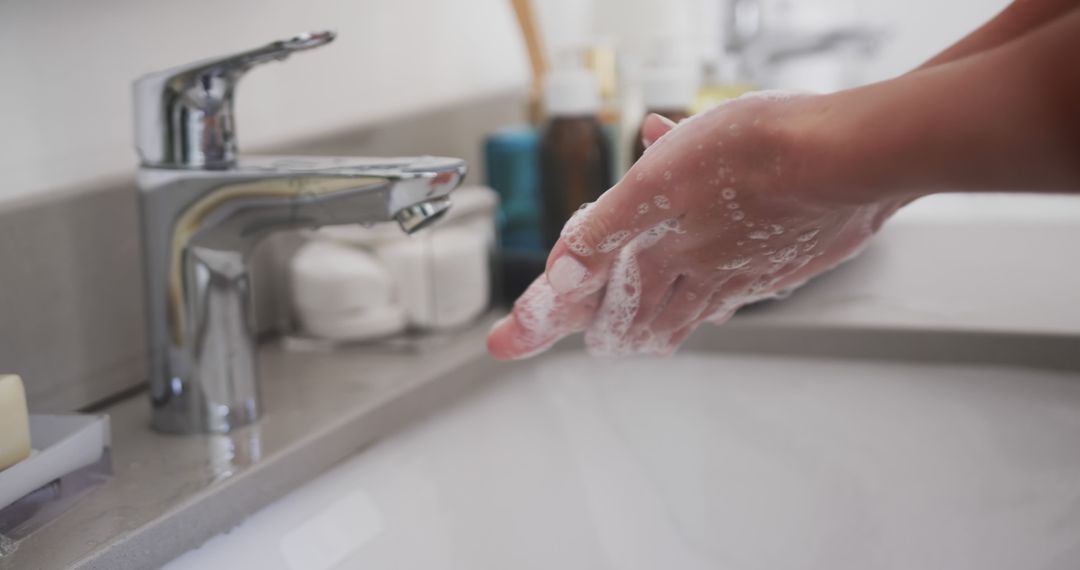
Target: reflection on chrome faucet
[(229, 452), (204, 209)]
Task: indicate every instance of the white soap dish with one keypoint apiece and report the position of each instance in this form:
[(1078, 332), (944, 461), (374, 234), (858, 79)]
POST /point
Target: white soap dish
[(70, 457)]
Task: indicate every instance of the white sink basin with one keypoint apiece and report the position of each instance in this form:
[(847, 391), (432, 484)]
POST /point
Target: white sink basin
[(702, 461)]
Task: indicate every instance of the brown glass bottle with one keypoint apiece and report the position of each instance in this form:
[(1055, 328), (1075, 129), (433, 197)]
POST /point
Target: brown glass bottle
[(575, 168), (675, 115)]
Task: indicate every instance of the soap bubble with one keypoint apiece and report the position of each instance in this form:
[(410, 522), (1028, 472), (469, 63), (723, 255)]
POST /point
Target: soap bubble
[(613, 241)]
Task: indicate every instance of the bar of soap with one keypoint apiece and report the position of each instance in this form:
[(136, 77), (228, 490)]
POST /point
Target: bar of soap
[(14, 421)]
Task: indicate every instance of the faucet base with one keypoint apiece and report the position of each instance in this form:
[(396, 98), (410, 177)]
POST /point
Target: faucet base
[(186, 418)]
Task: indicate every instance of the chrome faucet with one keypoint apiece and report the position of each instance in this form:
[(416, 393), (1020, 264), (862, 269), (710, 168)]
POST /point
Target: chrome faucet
[(203, 210)]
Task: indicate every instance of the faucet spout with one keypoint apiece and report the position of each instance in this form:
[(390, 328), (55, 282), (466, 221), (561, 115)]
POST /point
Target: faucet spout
[(199, 227), (414, 218)]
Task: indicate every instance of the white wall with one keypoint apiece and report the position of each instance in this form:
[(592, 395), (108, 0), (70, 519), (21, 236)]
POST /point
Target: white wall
[(912, 32), (915, 29), (918, 29), (66, 68)]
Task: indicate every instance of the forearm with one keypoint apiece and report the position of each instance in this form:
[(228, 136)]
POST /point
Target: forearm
[(1006, 119), (1014, 21)]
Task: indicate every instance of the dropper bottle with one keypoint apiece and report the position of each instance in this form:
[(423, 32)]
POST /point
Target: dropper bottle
[(575, 155), (668, 91)]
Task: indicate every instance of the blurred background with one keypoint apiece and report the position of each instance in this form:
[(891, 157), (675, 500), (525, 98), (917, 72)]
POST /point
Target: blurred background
[(67, 65)]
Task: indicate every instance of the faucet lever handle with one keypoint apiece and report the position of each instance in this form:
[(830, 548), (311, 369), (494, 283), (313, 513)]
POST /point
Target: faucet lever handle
[(184, 115), (237, 64)]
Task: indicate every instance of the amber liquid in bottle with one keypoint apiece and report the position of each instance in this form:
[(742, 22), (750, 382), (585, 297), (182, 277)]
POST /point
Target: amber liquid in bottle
[(575, 168)]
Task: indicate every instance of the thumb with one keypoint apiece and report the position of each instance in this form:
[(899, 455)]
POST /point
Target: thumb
[(654, 127)]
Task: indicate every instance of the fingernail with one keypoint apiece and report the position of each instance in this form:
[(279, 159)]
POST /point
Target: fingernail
[(566, 274), (664, 119)]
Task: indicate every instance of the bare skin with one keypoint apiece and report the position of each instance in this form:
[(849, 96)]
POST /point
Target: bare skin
[(760, 194)]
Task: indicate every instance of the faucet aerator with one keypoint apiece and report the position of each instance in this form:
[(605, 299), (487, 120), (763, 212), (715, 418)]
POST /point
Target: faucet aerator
[(418, 216)]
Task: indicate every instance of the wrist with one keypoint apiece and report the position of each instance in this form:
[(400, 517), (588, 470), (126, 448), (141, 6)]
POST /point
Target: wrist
[(846, 153)]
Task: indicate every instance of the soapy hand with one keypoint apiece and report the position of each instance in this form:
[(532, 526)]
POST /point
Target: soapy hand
[(724, 210)]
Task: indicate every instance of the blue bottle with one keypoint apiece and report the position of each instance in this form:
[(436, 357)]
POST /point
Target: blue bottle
[(511, 160)]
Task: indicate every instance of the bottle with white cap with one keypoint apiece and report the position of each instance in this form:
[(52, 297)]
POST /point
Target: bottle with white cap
[(668, 91), (575, 155)]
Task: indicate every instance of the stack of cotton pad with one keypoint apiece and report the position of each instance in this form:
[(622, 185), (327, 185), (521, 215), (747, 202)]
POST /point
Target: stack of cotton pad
[(343, 293)]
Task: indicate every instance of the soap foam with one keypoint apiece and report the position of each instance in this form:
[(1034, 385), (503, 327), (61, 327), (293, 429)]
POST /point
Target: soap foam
[(737, 262), (776, 95), (785, 255), (536, 315), (613, 241), (607, 335), (573, 233)]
